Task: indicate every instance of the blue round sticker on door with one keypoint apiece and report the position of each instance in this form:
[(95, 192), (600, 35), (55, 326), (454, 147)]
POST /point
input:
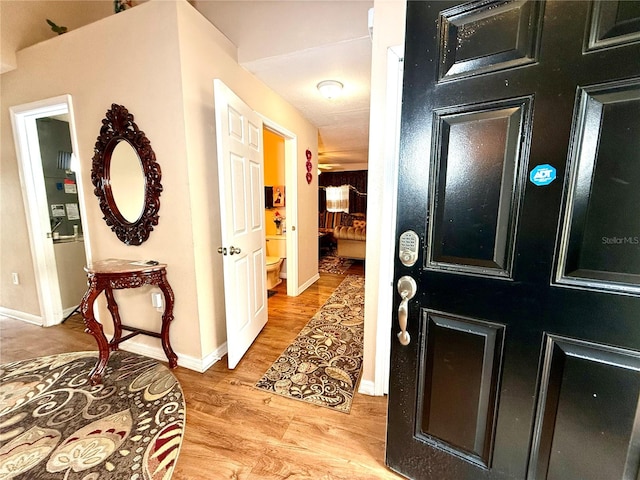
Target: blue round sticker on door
[(542, 175)]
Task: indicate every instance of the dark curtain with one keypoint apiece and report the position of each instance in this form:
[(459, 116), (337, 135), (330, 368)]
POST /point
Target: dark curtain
[(357, 179)]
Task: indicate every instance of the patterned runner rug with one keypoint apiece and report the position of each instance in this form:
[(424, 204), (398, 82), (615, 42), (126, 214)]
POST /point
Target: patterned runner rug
[(322, 365), (333, 264), (55, 425)]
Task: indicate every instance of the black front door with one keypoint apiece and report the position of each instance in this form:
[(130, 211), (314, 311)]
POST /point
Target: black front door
[(520, 176)]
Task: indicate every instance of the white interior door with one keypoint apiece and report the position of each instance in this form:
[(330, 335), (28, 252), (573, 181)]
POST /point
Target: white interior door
[(241, 179)]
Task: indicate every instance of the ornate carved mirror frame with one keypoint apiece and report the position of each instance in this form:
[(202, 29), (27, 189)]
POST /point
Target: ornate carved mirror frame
[(118, 126)]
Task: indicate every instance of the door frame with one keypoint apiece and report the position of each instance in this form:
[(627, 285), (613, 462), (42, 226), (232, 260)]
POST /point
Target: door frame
[(291, 187), (393, 109), (25, 133)]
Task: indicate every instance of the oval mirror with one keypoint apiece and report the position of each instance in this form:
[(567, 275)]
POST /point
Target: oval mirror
[(126, 177), (127, 181)]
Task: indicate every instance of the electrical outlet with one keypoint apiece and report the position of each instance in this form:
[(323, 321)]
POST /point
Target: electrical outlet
[(156, 299), (15, 278)]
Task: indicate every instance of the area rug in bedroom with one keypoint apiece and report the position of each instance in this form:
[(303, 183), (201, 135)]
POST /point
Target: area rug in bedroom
[(333, 264), (322, 365), (55, 425)]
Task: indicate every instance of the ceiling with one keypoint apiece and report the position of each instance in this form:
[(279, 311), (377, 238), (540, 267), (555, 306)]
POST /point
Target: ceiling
[(292, 46)]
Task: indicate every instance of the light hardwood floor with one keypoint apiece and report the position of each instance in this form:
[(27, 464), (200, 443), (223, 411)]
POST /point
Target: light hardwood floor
[(235, 431)]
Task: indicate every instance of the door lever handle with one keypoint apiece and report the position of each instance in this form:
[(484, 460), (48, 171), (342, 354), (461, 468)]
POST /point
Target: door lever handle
[(407, 289)]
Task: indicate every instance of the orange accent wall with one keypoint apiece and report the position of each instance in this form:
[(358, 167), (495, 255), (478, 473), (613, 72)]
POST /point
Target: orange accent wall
[(273, 158), (274, 168)]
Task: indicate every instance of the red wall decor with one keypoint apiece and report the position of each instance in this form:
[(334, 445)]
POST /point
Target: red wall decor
[(309, 167)]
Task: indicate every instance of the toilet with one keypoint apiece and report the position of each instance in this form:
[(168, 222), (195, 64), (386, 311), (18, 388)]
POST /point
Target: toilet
[(276, 253)]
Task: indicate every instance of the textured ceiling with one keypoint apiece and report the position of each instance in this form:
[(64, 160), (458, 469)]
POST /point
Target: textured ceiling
[(293, 45)]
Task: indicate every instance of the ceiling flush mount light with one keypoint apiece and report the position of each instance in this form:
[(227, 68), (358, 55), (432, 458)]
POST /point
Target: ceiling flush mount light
[(330, 88)]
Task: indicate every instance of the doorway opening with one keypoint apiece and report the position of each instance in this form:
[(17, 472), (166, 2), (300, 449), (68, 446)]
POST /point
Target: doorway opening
[(285, 170), (44, 134)]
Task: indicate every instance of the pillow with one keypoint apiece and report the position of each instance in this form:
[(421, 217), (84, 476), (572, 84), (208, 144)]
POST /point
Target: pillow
[(346, 220), (359, 223)]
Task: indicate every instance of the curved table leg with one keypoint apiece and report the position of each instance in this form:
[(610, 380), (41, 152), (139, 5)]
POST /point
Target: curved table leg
[(167, 317), (94, 328), (115, 315)]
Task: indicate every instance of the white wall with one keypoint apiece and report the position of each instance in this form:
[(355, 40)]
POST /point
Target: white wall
[(158, 60)]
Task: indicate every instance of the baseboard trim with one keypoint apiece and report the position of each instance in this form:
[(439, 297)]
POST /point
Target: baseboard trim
[(192, 363), (23, 316), (156, 352), (367, 387), (308, 283), (214, 357)]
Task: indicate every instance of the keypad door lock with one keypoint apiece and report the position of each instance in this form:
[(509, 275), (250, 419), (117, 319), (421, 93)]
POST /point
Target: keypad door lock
[(408, 252)]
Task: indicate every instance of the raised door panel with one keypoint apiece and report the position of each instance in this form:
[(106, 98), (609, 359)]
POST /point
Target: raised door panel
[(600, 247), (459, 379), (482, 37), (242, 315), (259, 281), (256, 200), (587, 415), (238, 194), (613, 23), (480, 154)]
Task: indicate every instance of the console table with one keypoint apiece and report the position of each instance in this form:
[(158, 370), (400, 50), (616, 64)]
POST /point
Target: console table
[(107, 275)]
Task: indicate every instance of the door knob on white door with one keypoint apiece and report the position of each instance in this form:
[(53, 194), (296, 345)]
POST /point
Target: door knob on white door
[(407, 289), (233, 250)]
